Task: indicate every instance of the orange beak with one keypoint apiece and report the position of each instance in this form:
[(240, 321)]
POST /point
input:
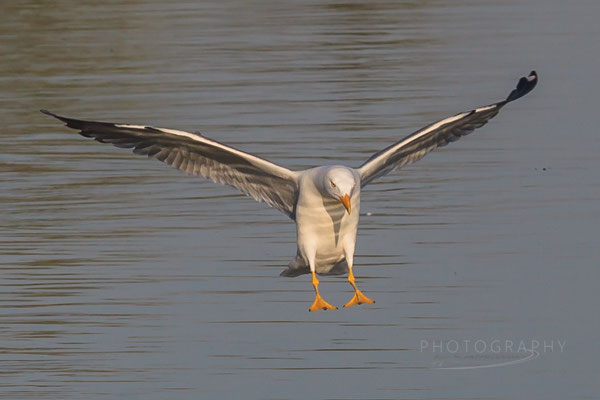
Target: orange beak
[(345, 199)]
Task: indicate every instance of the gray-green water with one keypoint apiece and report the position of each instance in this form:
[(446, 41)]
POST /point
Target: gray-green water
[(123, 278)]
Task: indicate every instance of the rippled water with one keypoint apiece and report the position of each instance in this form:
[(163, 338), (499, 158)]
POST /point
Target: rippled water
[(123, 278)]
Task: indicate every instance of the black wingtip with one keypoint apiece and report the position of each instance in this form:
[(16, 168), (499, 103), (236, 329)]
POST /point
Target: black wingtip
[(70, 122), (525, 85), (53, 115)]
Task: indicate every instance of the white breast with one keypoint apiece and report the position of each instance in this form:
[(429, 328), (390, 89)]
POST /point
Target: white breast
[(322, 223)]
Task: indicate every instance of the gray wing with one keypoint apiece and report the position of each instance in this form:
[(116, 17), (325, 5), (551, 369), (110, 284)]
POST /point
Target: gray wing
[(198, 155), (416, 145)]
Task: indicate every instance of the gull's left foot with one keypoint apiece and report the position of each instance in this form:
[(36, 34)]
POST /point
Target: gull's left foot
[(359, 298)]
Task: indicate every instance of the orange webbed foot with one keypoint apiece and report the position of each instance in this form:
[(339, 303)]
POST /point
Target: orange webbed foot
[(321, 304)]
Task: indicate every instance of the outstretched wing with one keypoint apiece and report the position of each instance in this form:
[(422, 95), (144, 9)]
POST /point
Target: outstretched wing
[(198, 155), (416, 145)]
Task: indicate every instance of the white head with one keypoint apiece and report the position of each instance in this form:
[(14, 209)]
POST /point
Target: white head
[(339, 183)]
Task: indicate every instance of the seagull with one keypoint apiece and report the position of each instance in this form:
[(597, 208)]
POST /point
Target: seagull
[(324, 201)]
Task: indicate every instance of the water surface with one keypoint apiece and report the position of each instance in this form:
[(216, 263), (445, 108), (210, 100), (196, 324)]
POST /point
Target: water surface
[(123, 278)]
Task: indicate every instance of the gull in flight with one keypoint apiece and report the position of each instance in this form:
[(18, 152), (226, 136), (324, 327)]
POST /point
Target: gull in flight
[(323, 201)]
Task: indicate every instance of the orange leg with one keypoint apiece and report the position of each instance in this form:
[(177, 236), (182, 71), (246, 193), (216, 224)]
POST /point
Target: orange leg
[(359, 297), (319, 303)]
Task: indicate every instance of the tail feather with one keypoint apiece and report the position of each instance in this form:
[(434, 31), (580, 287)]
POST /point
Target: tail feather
[(298, 267)]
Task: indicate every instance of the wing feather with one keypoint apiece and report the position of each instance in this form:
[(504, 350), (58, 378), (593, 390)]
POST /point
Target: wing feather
[(197, 155), (416, 145)]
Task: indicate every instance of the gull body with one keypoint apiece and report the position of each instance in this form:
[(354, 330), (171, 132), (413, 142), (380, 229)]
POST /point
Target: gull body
[(323, 201), (326, 231)]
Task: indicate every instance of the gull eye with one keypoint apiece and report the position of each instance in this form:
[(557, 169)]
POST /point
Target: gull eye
[(332, 184)]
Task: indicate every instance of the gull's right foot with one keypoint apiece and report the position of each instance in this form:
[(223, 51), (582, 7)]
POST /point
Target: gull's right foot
[(320, 304)]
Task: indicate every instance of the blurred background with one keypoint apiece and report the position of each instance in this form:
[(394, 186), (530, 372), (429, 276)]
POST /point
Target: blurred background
[(123, 278)]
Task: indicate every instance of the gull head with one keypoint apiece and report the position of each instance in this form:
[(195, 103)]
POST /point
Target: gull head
[(339, 183)]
